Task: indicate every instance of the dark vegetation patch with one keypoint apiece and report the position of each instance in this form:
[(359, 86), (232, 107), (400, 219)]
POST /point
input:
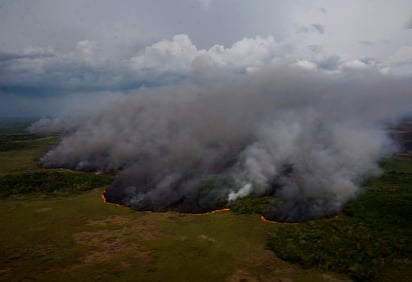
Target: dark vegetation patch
[(14, 137), (51, 182), (253, 205), (373, 233), (402, 133), (14, 142)]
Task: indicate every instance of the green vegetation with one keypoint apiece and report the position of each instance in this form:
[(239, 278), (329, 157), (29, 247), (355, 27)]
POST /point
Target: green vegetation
[(20, 150), (51, 182), (371, 238), (12, 142), (13, 136), (19, 173), (211, 188), (252, 205)]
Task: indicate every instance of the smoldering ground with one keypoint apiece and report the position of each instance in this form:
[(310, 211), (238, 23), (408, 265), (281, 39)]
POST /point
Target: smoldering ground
[(308, 138)]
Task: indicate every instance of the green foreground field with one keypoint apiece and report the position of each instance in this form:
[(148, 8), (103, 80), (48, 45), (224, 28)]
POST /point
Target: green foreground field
[(68, 233)]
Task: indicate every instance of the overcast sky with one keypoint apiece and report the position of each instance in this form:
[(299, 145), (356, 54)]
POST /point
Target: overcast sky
[(54, 51)]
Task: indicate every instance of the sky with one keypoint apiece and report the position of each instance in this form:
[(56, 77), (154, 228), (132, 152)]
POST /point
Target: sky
[(61, 56)]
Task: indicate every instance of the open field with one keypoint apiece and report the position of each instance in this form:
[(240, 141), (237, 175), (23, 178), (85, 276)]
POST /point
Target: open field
[(66, 232), (80, 237)]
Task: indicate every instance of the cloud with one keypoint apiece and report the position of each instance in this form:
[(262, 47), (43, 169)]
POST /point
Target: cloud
[(167, 56), (37, 72), (402, 55), (87, 51), (312, 28), (408, 25), (329, 63), (29, 53), (205, 3), (366, 42), (177, 55), (306, 65), (319, 28), (85, 68)]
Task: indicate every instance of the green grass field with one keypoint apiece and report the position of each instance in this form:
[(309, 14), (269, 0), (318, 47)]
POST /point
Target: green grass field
[(55, 227)]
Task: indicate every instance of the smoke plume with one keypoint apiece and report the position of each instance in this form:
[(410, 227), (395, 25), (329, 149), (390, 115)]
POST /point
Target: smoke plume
[(307, 138)]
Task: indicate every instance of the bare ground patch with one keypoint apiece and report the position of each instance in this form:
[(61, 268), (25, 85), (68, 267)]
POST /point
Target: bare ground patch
[(111, 220), (120, 237)]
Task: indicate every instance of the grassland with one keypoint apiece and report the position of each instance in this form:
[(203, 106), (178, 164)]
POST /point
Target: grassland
[(60, 229), (19, 150), (55, 227)]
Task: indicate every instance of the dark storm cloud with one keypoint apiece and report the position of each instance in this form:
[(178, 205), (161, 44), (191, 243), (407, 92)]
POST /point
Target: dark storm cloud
[(56, 47), (166, 62), (409, 23), (319, 28), (329, 63), (5, 56), (127, 24), (367, 43), (312, 28)]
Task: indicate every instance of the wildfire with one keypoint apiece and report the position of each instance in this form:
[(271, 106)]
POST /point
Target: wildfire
[(268, 221), (117, 205), (104, 198), (212, 212), (221, 210), (275, 222), (106, 202)]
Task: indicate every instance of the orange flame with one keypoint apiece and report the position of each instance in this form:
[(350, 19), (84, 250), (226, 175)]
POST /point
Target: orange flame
[(212, 212), (216, 211), (117, 205), (104, 198), (106, 202), (275, 222)]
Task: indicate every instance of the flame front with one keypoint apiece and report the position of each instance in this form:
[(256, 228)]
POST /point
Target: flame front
[(104, 197), (221, 210), (275, 222), (268, 221), (214, 211), (262, 217), (106, 202)]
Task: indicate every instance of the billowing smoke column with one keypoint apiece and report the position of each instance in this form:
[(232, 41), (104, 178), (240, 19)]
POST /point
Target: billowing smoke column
[(309, 139)]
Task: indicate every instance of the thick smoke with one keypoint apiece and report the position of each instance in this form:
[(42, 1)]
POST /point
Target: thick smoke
[(307, 138)]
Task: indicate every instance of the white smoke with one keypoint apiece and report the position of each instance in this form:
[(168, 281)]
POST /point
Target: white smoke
[(307, 137), (243, 192)]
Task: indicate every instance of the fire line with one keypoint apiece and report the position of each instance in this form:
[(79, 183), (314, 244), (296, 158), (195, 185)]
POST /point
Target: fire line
[(275, 222), (211, 212), (108, 203)]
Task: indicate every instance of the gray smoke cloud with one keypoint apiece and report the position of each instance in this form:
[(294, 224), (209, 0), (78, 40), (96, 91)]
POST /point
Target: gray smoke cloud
[(308, 138)]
